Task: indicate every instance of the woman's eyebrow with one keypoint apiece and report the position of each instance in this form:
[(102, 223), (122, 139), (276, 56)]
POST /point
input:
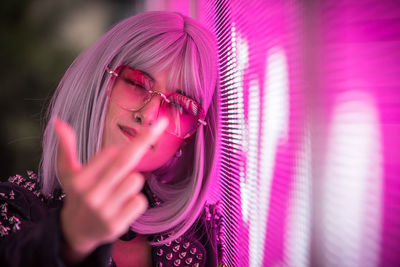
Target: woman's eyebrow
[(148, 75), (179, 91)]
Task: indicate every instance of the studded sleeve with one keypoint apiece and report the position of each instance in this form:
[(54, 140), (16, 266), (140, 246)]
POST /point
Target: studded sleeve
[(27, 228), (30, 233)]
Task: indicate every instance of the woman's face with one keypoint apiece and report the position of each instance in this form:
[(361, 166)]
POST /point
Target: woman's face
[(121, 127)]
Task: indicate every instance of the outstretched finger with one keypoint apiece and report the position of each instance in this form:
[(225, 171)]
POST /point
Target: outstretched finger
[(67, 159), (143, 142), (129, 157)]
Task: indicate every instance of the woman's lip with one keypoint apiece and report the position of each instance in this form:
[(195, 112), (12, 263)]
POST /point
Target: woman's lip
[(130, 132)]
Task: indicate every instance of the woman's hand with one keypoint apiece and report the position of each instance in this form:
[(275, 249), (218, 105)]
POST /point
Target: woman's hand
[(103, 196)]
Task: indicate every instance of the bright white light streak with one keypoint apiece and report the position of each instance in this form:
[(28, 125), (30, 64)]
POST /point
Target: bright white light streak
[(235, 113), (241, 55), (249, 186), (275, 119), (352, 184), (298, 237)]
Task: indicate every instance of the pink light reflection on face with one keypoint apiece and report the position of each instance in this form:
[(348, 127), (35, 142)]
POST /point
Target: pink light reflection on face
[(163, 150)]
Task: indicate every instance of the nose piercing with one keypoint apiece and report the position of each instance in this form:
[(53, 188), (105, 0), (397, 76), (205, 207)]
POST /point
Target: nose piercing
[(138, 118)]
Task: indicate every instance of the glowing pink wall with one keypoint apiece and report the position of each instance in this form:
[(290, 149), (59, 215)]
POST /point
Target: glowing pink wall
[(310, 106), (358, 100)]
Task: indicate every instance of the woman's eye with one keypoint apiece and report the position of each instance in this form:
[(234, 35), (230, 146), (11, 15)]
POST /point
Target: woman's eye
[(179, 91), (133, 83), (180, 103), (179, 107)]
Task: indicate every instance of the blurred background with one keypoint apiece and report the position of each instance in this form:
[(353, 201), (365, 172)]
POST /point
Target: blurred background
[(39, 40), (310, 111)]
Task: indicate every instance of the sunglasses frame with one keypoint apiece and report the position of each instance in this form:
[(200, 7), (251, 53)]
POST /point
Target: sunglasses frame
[(189, 102)]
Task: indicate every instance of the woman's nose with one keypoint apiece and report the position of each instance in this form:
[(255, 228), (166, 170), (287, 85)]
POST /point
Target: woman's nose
[(149, 112)]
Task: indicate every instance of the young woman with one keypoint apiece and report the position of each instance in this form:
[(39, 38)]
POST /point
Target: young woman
[(128, 156)]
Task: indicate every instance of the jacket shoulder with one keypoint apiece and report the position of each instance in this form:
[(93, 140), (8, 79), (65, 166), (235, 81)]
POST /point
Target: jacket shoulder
[(29, 183), (21, 200)]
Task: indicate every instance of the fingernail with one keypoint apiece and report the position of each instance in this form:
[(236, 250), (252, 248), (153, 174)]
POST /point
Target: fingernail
[(57, 123), (54, 120), (160, 125)]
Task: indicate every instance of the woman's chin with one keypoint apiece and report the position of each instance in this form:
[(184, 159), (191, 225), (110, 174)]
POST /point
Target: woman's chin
[(145, 166)]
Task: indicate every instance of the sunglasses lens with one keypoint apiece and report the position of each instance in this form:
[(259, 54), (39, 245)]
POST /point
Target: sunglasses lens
[(135, 91), (182, 120)]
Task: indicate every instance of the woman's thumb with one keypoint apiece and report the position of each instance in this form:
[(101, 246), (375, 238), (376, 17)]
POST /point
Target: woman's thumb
[(67, 159)]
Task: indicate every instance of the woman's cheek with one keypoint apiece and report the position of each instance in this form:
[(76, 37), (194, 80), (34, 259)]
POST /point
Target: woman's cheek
[(163, 151)]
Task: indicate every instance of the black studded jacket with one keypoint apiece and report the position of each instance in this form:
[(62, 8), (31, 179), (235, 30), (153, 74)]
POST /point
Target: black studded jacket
[(30, 233)]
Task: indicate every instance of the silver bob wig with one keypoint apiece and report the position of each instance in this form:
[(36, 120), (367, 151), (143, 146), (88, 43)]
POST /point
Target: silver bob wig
[(152, 42)]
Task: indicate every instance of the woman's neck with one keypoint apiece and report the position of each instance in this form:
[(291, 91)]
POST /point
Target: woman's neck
[(136, 252)]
